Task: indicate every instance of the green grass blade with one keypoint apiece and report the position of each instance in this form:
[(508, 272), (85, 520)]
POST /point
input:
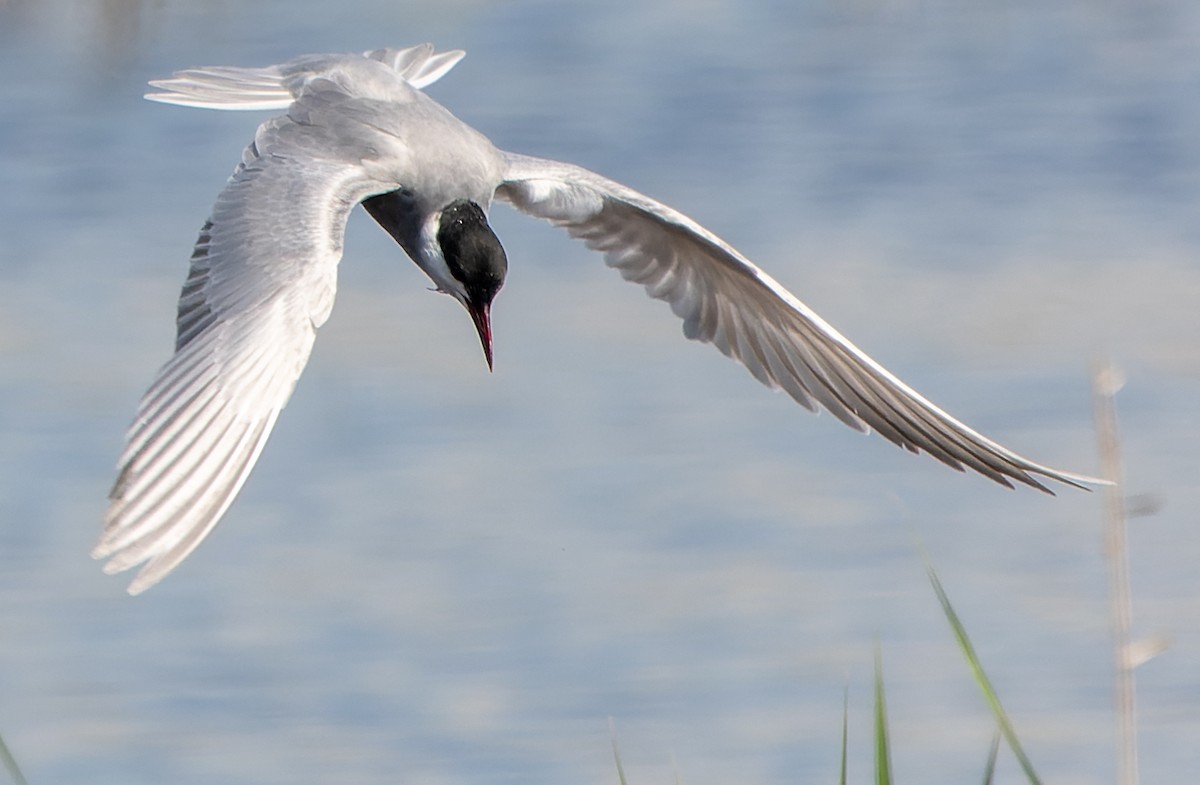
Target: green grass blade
[(612, 732), (845, 730), (883, 753), (10, 763), (989, 771), (989, 693)]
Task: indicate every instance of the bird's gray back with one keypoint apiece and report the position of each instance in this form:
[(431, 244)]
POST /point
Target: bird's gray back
[(359, 111)]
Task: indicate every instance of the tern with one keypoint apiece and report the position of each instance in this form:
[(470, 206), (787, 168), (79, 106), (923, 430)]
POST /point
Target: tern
[(357, 128)]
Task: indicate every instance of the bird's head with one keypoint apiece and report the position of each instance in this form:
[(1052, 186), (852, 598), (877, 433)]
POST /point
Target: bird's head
[(454, 246), (476, 263)]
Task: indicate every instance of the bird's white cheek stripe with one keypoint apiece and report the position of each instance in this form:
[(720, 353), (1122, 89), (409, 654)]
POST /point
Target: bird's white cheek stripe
[(430, 257)]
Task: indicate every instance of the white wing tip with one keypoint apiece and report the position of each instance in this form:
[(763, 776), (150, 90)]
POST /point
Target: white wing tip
[(181, 99), (1081, 481)]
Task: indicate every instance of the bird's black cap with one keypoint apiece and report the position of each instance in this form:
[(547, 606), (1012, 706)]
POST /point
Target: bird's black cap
[(476, 260)]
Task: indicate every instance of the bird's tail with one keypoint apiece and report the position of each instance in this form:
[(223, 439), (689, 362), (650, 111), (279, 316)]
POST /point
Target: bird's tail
[(418, 65), (276, 86), (217, 87)]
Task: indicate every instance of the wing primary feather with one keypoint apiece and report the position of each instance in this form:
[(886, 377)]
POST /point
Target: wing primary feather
[(929, 432), (156, 424), (159, 500), (159, 566), (810, 371), (786, 377), (178, 431)]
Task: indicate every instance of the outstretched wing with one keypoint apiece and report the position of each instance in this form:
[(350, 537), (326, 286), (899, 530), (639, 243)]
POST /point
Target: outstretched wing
[(262, 279), (727, 301)]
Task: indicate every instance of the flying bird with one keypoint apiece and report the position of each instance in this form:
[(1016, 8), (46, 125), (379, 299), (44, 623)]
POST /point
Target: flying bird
[(358, 129)]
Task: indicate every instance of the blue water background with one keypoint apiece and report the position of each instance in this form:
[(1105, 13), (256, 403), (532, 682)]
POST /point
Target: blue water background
[(438, 575)]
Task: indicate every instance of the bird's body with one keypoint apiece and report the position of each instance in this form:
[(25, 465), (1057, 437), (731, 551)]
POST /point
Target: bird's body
[(358, 128)]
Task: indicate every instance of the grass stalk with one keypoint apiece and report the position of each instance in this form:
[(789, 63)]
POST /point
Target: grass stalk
[(845, 733), (883, 751), (985, 684), (10, 764), (1106, 381), (989, 771), (612, 732)]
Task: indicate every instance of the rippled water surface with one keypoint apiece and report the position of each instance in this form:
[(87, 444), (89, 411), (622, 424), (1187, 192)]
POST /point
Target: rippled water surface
[(439, 575)]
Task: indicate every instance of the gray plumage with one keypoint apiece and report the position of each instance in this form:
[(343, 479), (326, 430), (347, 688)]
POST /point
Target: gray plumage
[(263, 276)]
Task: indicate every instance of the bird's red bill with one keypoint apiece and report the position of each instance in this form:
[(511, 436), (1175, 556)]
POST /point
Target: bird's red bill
[(483, 325)]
